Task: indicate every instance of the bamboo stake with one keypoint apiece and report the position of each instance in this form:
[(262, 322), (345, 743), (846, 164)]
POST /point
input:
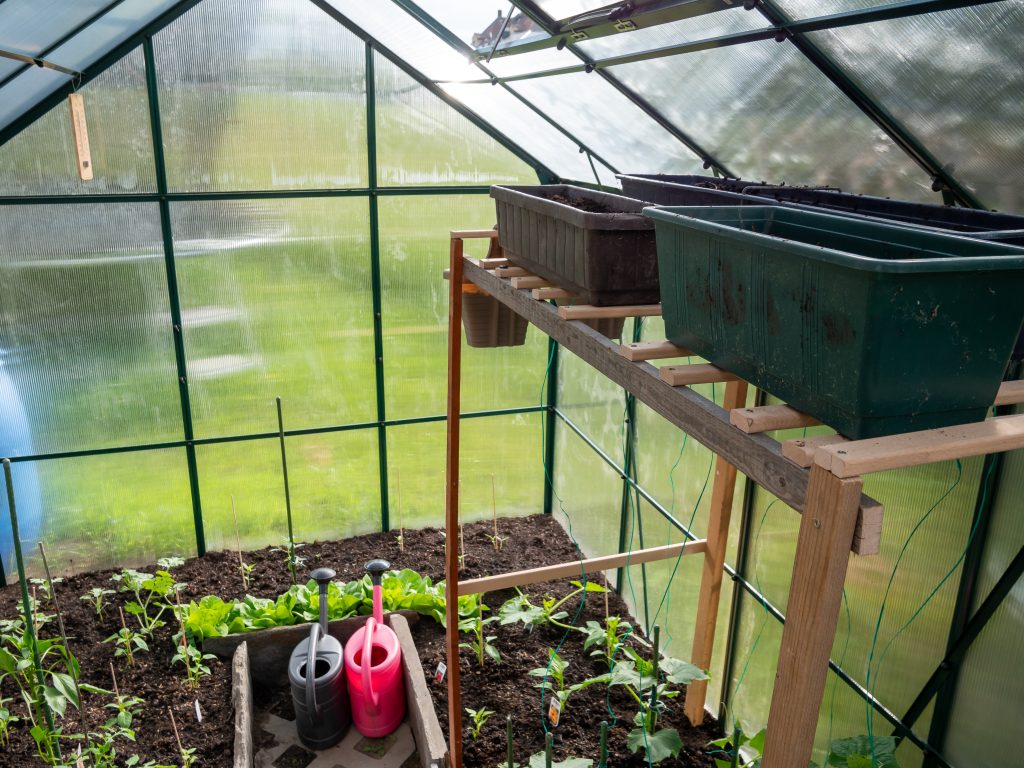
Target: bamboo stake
[(113, 676), (238, 543), (174, 725)]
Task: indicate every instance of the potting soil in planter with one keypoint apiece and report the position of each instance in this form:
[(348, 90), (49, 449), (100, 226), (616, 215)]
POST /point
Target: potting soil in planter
[(872, 328), (593, 244)]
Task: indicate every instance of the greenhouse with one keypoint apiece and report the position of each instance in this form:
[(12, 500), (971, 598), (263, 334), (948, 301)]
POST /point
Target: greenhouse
[(568, 382)]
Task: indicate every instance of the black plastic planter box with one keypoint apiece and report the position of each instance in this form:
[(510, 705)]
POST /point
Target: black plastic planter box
[(601, 258), (871, 327), (673, 189)]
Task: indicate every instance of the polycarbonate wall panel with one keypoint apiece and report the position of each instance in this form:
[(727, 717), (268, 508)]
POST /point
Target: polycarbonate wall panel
[(123, 510), (41, 160), (502, 449), (261, 96), (805, 9), (414, 253), (952, 79), (85, 325), (276, 300), (769, 114), (592, 402), (609, 123), (423, 141)]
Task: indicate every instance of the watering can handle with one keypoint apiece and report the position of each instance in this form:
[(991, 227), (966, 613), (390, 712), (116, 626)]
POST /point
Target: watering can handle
[(371, 695), (311, 702)]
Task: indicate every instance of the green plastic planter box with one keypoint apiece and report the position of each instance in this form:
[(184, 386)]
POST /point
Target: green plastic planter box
[(872, 328)]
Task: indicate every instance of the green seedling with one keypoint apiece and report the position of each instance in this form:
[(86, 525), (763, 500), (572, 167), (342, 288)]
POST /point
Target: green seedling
[(479, 717), (127, 641), (607, 638), (246, 569), (192, 658), (861, 752), (167, 563), (188, 756), (480, 642), (151, 592), (553, 679), (45, 587), (291, 560), (520, 609), (97, 597), (6, 721), (739, 750)]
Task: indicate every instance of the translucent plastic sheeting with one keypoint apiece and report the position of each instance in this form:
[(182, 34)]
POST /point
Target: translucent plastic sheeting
[(985, 730), (904, 655), (769, 114), (530, 131), (30, 26), (805, 9), (506, 449), (595, 404), (414, 253), (41, 160), (588, 495), (609, 123), (421, 140), (123, 510), (952, 79), (85, 325), (674, 33), (276, 301), (264, 96), (26, 90)]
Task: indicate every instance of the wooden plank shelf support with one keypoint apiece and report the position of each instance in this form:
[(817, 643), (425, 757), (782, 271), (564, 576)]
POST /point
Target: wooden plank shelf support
[(590, 312), (767, 418), (529, 281), (472, 234), (651, 350), (572, 569), (801, 450), (544, 294), (698, 373), (511, 272), (859, 457), (1010, 393), (493, 263)]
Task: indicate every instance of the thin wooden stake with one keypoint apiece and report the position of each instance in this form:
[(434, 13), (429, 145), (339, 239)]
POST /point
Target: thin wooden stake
[(287, 493), (401, 522), (60, 620), (498, 541), (113, 676), (238, 543), (174, 725)]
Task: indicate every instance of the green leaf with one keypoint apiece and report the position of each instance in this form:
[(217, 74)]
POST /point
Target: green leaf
[(55, 700), (537, 761), (843, 752), (66, 686), (8, 662), (681, 672), (660, 745)]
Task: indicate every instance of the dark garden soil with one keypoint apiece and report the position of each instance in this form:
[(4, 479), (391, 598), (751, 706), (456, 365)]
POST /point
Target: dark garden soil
[(584, 204), (505, 688)]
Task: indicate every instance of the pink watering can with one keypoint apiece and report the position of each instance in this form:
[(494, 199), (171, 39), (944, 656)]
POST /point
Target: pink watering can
[(373, 665)]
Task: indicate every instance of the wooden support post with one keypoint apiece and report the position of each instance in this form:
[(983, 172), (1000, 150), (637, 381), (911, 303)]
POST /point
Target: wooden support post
[(714, 564), (815, 594), (451, 502)]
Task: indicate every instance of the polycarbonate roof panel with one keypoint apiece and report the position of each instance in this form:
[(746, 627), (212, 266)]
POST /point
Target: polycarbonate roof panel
[(952, 78), (769, 114), (42, 23), (529, 130), (674, 33), (563, 9), (806, 9), (609, 123)]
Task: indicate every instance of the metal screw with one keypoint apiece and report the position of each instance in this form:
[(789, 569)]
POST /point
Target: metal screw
[(817, 523)]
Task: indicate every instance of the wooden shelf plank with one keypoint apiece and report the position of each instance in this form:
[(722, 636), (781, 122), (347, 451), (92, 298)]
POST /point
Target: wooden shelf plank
[(859, 457), (472, 234), (493, 263), (573, 568), (768, 418), (651, 350), (801, 450), (757, 456), (698, 373), (1010, 393), (511, 272), (529, 281), (543, 294), (590, 312)]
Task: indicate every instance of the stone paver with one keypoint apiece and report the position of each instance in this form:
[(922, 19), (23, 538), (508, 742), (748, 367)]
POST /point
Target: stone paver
[(354, 751)]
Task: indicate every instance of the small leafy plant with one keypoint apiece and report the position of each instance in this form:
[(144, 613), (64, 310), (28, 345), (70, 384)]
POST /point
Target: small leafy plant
[(152, 593), (96, 597), (45, 587), (738, 750), (480, 642), (127, 641), (6, 720), (862, 752), (607, 639), (521, 609), (479, 717)]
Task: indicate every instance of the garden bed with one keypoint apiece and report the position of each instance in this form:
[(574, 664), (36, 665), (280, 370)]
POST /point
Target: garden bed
[(506, 688)]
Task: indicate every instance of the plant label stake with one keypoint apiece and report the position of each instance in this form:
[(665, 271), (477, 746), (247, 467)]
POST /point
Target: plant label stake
[(554, 711), (439, 672)]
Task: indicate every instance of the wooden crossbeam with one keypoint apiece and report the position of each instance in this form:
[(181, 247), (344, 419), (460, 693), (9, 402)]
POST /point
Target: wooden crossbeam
[(511, 272), (590, 312), (529, 281), (858, 457), (471, 234), (698, 373), (573, 568), (652, 350), (543, 294), (767, 418)]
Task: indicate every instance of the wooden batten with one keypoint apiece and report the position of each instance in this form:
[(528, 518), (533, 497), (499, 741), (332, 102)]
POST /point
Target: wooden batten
[(544, 294), (472, 234), (529, 281), (493, 262), (80, 132), (698, 373), (511, 272), (652, 350), (590, 312), (1010, 393), (767, 418), (801, 450)]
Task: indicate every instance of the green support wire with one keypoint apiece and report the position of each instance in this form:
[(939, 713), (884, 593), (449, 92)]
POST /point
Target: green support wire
[(378, 328), (173, 295)]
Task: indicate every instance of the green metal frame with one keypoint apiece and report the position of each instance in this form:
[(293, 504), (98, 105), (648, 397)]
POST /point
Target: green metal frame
[(550, 420)]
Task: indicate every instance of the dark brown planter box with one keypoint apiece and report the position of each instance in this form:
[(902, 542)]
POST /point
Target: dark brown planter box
[(489, 323), (601, 258)]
